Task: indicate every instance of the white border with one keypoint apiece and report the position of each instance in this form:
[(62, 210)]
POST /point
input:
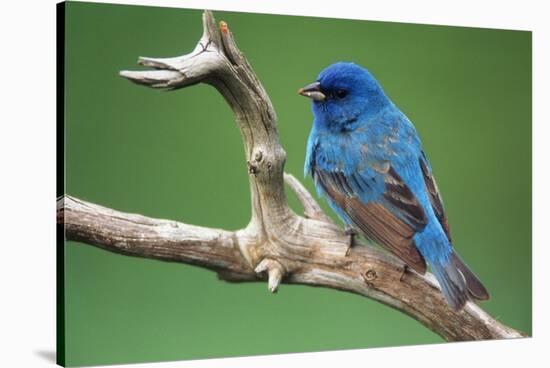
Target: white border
[(27, 158)]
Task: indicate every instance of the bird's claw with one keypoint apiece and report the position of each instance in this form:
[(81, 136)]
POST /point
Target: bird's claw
[(352, 233), (405, 269)]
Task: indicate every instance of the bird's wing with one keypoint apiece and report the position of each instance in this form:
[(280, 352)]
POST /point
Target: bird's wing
[(391, 220), (434, 195)]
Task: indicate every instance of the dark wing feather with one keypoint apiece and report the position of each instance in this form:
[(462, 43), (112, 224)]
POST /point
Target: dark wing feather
[(391, 225), (434, 196), (403, 201)]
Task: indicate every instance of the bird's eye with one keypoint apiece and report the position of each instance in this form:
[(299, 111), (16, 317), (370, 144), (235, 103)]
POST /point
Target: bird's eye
[(341, 93)]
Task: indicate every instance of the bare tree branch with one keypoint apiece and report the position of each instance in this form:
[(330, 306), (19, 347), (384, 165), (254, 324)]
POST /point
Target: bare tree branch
[(277, 245), (312, 210)]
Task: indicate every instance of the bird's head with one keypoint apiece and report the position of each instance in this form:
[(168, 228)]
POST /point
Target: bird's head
[(344, 95)]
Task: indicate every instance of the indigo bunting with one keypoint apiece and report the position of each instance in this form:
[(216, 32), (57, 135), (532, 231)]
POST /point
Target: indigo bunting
[(366, 159)]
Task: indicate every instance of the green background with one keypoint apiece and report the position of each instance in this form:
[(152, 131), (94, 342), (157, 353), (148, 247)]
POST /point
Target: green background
[(178, 155)]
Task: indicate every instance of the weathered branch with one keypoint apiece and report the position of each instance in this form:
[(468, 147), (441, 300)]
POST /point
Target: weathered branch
[(364, 271), (312, 210), (277, 245)]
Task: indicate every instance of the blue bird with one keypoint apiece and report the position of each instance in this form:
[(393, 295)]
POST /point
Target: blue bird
[(366, 158)]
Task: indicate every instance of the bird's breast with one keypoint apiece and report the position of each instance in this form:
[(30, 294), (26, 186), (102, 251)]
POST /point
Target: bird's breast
[(343, 152)]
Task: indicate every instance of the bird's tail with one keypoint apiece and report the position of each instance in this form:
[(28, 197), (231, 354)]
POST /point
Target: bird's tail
[(458, 283)]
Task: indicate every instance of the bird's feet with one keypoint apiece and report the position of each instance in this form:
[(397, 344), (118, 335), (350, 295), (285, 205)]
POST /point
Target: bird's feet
[(405, 269), (352, 233)]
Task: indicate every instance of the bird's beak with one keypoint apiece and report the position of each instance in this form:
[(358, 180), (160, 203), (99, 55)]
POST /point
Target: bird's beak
[(313, 91)]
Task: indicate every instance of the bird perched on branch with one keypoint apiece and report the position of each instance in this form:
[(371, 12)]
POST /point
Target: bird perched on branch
[(366, 158)]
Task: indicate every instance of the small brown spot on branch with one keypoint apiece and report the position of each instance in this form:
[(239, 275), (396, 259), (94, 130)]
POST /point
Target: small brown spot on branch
[(224, 28)]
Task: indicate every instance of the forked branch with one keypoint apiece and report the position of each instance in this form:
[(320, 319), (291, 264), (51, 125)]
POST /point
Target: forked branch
[(277, 245)]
